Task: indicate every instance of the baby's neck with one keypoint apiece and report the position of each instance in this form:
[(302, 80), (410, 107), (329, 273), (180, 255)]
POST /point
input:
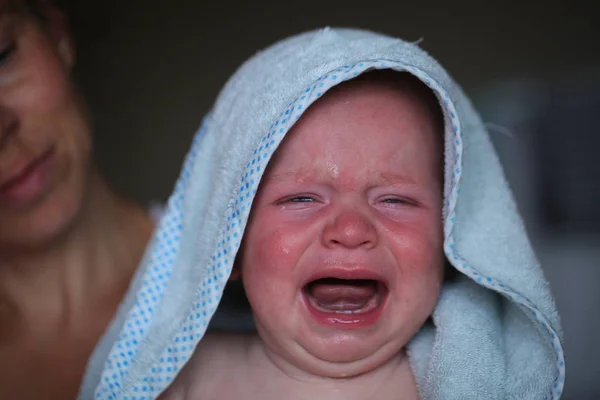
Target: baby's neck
[(235, 365), (393, 380)]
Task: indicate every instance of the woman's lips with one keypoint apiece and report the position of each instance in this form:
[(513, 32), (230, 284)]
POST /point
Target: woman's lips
[(28, 184)]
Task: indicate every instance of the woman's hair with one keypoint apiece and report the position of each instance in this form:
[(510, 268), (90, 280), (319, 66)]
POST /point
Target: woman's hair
[(34, 8), (39, 8)]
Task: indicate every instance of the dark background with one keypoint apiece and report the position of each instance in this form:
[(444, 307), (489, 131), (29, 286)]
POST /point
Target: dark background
[(151, 69)]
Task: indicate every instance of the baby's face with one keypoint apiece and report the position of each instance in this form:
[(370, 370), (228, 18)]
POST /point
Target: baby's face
[(342, 258)]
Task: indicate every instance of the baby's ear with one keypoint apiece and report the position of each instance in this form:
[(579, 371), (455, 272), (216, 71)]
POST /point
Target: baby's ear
[(236, 273), (236, 270)]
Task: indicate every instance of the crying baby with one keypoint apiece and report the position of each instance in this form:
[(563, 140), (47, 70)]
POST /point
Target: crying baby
[(342, 258)]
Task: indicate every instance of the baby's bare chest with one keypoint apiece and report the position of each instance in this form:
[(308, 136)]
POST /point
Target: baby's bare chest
[(257, 386)]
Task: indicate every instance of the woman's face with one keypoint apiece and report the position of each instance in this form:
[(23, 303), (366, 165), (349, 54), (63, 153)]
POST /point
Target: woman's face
[(44, 132)]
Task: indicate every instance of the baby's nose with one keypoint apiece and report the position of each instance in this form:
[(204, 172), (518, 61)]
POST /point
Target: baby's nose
[(350, 229)]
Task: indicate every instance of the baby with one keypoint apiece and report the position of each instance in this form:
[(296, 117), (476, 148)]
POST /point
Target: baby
[(349, 184), (342, 258)]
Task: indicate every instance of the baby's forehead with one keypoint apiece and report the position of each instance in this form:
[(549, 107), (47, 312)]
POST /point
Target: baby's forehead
[(375, 102), (407, 92), (381, 115)]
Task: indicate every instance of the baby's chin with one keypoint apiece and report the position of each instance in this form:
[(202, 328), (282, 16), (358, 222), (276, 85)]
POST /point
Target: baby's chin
[(340, 356)]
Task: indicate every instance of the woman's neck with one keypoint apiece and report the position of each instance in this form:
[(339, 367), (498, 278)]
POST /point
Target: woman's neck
[(90, 266)]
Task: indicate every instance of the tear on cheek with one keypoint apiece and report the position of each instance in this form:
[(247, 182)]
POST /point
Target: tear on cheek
[(283, 243)]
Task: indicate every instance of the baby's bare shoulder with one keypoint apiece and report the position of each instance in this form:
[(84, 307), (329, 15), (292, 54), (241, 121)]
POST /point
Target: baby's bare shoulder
[(224, 343), (218, 358), (219, 351)]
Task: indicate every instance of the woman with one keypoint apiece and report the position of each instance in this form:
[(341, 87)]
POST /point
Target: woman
[(69, 245)]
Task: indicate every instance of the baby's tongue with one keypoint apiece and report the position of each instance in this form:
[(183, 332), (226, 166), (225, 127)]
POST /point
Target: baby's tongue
[(342, 295)]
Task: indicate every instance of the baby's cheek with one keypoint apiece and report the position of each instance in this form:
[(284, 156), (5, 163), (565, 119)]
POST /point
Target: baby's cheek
[(420, 258), (427, 268), (425, 257), (279, 249), (269, 264), (415, 247)]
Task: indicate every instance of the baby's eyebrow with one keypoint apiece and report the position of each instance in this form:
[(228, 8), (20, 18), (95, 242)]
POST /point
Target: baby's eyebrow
[(279, 176), (299, 175), (379, 178), (391, 178)]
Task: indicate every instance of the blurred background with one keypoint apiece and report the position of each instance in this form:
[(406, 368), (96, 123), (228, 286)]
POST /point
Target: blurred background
[(151, 69)]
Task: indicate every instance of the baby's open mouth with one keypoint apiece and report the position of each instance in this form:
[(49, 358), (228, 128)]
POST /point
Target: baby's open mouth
[(345, 296)]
